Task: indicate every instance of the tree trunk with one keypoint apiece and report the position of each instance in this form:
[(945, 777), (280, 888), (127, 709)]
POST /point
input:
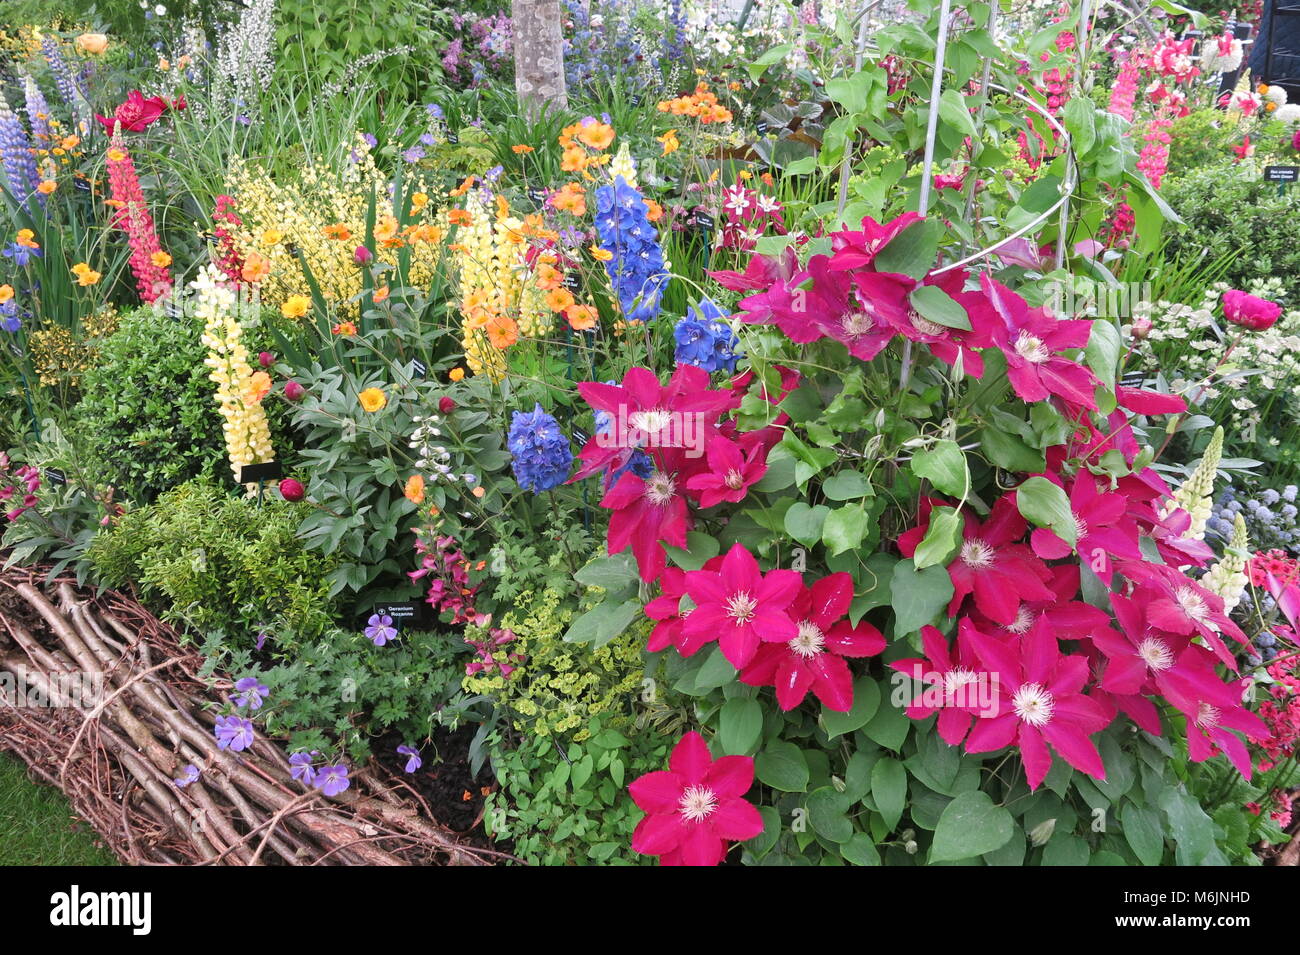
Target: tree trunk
[(539, 54)]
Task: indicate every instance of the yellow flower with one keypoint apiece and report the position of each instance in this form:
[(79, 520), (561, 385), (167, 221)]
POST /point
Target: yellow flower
[(47, 186), (419, 200), (116, 155), (295, 306), (92, 43), (161, 259), (601, 255), (456, 374), (380, 295), (670, 141), (27, 239), (272, 236), (373, 399), (6, 293), (87, 276)]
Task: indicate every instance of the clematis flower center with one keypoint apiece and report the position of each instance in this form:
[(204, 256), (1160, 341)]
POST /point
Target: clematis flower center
[(651, 421), (955, 682), (1207, 715), (1032, 349), (810, 641), (734, 480), (1193, 604), (977, 553), (856, 323), (740, 607), (924, 325), (659, 488), (697, 803), (1024, 620), (1080, 527), (1033, 703), (1156, 653)]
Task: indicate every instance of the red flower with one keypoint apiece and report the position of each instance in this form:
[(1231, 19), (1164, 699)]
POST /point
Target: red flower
[(1178, 605), (292, 490), (695, 807), (1102, 524), (731, 472), (952, 674), (813, 660), (1040, 701), (1207, 733), (136, 114), (1248, 311), (739, 607), (293, 391), (647, 513)]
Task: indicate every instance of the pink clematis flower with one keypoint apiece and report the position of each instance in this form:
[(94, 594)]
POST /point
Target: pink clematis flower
[(1102, 524), (814, 659), (1040, 702), (695, 807), (740, 607), (1178, 605), (1208, 733), (647, 513), (954, 672), (731, 472)]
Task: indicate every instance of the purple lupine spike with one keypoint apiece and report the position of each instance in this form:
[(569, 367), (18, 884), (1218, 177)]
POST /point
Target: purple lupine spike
[(38, 112), (17, 158), (63, 81)]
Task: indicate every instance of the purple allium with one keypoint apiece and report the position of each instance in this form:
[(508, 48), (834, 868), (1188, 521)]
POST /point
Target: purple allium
[(539, 450), (413, 761), (234, 733), (332, 780), (252, 694), (300, 767), (190, 774), (380, 629)]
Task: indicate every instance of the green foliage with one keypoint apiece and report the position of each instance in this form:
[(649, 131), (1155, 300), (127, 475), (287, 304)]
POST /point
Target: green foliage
[(568, 804), (147, 417), (38, 827), (218, 562), (1230, 208)]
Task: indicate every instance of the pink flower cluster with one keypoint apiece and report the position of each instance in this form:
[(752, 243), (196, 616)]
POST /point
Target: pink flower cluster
[(227, 254), (132, 216), (748, 215), (485, 661), (1154, 158), (26, 480), (449, 588), (1123, 94)]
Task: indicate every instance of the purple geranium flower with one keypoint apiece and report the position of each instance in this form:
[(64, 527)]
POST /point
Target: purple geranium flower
[(413, 761), (332, 780), (414, 154), (300, 767), (251, 693), (234, 733), (380, 629), (190, 774)]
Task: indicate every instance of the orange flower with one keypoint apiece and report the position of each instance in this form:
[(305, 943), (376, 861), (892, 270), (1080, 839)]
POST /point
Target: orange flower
[(573, 160), (520, 149), (557, 300), (386, 228), (337, 231), (47, 186), (571, 199), (478, 492), (272, 236), (256, 267), (581, 317), (548, 276), (373, 399), (654, 211), (70, 142), (6, 293), (414, 489), (344, 328), (599, 254), (597, 135), (459, 217), (161, 259), (27, 239), (419, 200), (381, 294), (456, 374), (670, 141), (260, 385), (502, 331), (86, 276), (462, 188), (92, 43)]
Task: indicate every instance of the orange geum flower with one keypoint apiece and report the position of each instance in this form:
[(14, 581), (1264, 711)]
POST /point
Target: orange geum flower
[(381, 295), (581, 317), (86, 275), (462, 188), (456, 374), (337, 231), (344, 328), (571, 199), (272, 236), (670, 141), (27, 239), (419, 200), (599, 254), (502, 332), (520, 148), (373, 399), (295, 306), (161, 259), (573, 160), (414, 489), (597, 135), (47, 186), (6, 293), (256, 268), (459, 217), (548, 276), (654, 211), (70, 142), (557, 300), (386, 228), (260, 385)]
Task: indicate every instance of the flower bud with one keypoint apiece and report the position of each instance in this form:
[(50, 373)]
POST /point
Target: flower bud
[(265, 359), (294, 391), (446, 405), (292, 490)]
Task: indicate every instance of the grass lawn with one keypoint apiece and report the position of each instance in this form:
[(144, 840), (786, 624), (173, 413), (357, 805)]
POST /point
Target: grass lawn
[(38, 827)]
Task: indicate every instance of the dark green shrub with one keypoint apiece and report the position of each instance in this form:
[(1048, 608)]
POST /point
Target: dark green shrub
[(217, 562), (147, 414)]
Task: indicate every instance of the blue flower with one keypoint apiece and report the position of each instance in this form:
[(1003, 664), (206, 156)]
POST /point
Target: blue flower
[(301, 769), (636, 269), (413, 761), (190, 774), (380, 629), (539, 449), (252, 694), (234, 733), (21, 254), (9, 319), (435, 111), (705, 340), (332, 780), (414, 154)]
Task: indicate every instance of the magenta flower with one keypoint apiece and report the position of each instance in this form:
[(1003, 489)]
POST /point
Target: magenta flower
[(731, 472), (814, 659), (1208, 733), (1249, 311), (1040, 701), (953, 674), (1102, 524), (695, 807), (647, 513), (1178, 605), (740, 607)]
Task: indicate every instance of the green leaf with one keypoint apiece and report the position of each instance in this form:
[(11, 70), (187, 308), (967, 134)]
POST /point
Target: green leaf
[(847, 486), (1103, 350), (954, 112), (889, 726), (938, 306), (804, 524), (608, 573), (780, 471), (944, 466), (970, 825), (783, 766), (942, 538), (700, 549), (913, 251), (866, 699), (917, 596), (860, 850), (716, 671), (826, 813), (603, 622), (844, 528), (889, 789), (1043, 503), (1010, 452), (740, 725)]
